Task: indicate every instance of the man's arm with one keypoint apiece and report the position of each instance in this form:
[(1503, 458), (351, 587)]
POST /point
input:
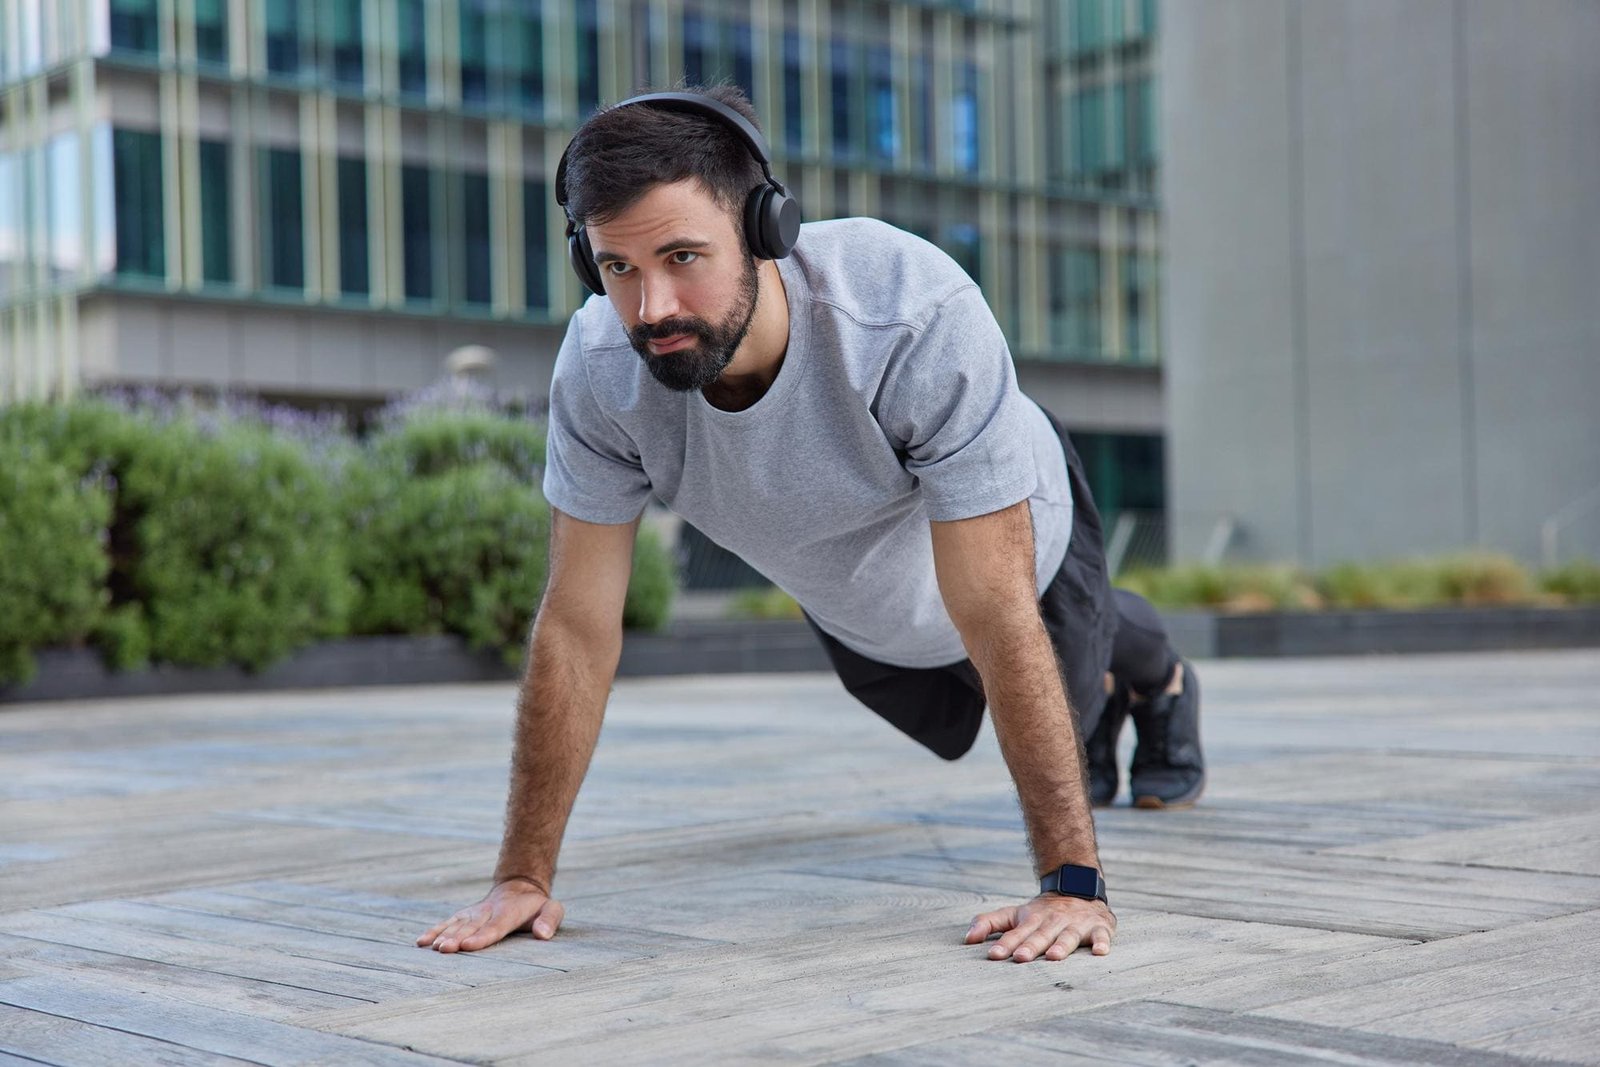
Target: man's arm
[(573, 652), (985, 567)]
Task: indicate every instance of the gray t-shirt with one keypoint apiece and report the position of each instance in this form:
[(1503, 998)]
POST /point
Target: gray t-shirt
[(896, 403)]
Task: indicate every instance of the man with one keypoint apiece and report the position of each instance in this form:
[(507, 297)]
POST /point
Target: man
[(847, 419)]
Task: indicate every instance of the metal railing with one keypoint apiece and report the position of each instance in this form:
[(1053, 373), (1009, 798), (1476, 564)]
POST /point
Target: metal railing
[(1550, 529)]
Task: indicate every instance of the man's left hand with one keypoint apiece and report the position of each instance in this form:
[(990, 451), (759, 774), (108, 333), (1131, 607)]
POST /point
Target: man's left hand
[(1049, 924)]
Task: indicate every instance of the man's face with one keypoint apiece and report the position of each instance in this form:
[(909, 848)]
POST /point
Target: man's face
[(681, 281)]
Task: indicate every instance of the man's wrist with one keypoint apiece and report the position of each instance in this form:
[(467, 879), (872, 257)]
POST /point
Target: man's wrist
[(1074, 880), (542, 885)]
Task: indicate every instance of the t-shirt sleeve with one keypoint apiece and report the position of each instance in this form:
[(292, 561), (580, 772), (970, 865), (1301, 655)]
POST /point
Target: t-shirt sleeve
[(591, 469), (950, 401)]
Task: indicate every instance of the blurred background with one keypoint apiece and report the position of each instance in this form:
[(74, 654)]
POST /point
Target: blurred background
[(1307, 281)]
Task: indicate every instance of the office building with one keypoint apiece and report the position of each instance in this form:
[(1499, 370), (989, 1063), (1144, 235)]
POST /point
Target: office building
[(319, 201)]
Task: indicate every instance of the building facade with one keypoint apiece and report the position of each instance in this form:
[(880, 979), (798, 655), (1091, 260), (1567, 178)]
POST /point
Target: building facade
[(318, 200), (1382, 250)]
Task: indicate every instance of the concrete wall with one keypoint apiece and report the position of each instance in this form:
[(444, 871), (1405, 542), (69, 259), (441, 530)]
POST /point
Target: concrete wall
[(304, 351), (1381, 253)]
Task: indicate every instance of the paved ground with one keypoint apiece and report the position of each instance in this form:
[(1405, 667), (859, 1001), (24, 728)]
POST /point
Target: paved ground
[(1398, 861)]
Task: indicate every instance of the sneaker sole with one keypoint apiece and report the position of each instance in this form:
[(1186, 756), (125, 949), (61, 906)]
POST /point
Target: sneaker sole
[(1155, 803)]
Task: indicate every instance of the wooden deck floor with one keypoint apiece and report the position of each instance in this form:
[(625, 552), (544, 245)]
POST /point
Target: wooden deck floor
[(1397, 861)]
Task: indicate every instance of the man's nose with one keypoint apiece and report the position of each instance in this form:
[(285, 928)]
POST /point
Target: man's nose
[(658, 300)]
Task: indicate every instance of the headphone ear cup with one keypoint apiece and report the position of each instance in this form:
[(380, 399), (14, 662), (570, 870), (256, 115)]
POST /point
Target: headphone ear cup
[(771, 222), (581, 254)]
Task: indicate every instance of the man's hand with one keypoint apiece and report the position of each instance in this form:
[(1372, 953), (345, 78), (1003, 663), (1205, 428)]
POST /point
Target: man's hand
[(512, 905), (1049, 923)]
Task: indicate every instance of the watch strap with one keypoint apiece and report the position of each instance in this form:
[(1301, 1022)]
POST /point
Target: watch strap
[(1074, 880)]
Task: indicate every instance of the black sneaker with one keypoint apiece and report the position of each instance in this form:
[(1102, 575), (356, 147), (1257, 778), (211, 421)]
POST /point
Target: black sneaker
[(1168, 770), (1101, 748)]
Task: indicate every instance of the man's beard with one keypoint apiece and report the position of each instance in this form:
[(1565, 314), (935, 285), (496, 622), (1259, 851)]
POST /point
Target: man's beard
[(698, 365)]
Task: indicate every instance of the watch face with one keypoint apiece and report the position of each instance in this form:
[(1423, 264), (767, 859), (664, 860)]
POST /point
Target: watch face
[(1079, 881)]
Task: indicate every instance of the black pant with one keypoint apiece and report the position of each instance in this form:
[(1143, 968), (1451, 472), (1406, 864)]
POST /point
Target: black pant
[(1093, 629)]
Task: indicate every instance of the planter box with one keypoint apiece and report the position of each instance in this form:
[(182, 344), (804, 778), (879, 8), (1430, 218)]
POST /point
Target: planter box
[(686, 648), (723, 647), (1204, 635)]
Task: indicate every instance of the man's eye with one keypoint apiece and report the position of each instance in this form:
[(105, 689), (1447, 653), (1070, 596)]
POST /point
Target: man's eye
[(616, 268), (684, 252)]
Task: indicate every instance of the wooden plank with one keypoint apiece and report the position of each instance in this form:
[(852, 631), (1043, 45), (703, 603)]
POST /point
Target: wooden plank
[(1155, 1034), (158, 1015), (247, 994), (268, 965), (1569, 844), (402, 956), (835, 990), (32, 1037)]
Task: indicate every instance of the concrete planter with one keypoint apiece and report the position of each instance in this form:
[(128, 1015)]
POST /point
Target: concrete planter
[(721, 647)]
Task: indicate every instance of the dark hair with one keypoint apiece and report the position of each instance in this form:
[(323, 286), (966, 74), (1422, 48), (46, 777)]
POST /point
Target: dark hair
[(620, 153)]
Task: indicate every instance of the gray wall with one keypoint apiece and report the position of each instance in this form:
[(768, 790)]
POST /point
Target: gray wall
[(1382, 256), (305, 351)]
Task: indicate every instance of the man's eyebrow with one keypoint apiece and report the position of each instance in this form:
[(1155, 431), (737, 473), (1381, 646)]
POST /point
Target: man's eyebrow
[(673, 245)]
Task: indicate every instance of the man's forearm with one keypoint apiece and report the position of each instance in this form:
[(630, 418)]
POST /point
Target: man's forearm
[(1038, 738), (559, 712)]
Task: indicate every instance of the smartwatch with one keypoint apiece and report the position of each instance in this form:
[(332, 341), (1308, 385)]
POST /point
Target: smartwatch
[(1072, 880)]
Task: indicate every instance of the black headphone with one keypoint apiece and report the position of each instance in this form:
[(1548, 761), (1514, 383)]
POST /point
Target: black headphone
[(771, 215)]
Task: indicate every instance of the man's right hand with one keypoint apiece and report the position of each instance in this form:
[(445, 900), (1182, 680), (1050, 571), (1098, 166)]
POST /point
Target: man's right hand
[(514, 904)]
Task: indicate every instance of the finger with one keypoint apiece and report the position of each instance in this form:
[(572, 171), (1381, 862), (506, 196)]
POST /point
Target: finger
[(991, 922), (1003, 947), (450, 939), (1101, 940), (548, 920), (1042, 939), (433, 932), (1066, 943)]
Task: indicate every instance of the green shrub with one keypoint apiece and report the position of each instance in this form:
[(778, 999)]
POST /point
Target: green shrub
[(241, 550), (225, 543), (460, 552), (653, 585), (1462, 579), (770, 602), (1231, 587), (1577, 582), (53, 559), (429, 442)]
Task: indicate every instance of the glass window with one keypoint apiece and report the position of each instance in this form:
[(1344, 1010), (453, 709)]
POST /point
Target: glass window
[(10, 224), (136, 173), (474, 52), (841, 80), (696, 45), (216, 246), (1075, 301), (960, 239), (535, 258), (1088, 29), (134, 26), (416, 210), (922, 88), (588, 58), (526, 59), (1089, 133), (283, 36), (1116, 143), (1149, 18), (744, 59), (64, 190), (211, 31), (475, 231), (343, 58), (413, 48), (885, 117), (794, 130), (964, 118), (282, 233), (353, 248)]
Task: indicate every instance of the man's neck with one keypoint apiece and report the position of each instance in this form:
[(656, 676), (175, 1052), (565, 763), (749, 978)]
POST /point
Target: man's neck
[(755, 366)]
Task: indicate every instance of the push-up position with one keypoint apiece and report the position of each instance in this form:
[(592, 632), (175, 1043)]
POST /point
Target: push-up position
[(836, 404)]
